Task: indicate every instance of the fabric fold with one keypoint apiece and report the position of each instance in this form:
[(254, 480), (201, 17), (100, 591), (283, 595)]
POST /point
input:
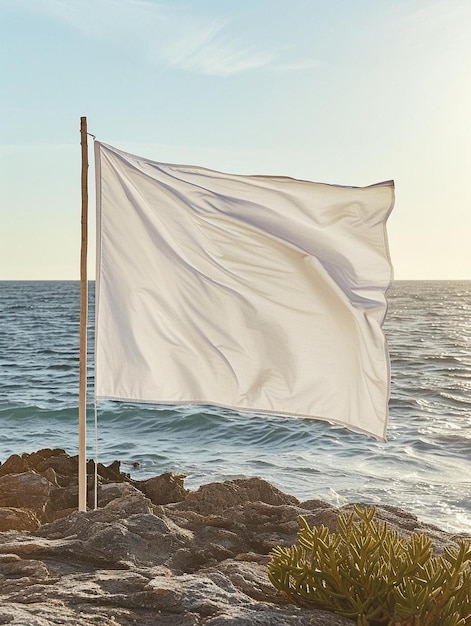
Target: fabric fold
[(262, 294)]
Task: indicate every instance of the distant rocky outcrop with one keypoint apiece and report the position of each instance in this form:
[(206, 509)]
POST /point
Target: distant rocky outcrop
[(153, 552)]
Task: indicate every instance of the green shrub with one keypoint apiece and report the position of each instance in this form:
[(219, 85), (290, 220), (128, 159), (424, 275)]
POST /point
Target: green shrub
[(367, 572)]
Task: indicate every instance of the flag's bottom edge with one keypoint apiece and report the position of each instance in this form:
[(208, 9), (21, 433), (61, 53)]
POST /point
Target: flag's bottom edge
[(246, 410)]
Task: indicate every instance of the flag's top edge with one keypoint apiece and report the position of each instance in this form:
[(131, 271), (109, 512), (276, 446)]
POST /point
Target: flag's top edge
[(130, 155)]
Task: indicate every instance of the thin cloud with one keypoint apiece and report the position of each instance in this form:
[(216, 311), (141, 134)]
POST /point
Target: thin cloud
[(211, 52), (167, 35)]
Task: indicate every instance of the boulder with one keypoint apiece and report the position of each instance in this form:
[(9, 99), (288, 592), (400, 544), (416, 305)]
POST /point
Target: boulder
[(163, 489), (12, 518), (27, 490), (215, 498)]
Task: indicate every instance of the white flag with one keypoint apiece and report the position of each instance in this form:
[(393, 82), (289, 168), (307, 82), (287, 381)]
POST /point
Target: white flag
[(258, 293)]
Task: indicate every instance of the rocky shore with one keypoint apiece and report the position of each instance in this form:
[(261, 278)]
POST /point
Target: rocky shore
[(153, 552)]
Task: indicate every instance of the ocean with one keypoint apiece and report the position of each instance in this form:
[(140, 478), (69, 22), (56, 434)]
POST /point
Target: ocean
[(424, 467)]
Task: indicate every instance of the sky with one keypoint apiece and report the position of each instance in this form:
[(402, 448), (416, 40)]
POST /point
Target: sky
[(349, 92)]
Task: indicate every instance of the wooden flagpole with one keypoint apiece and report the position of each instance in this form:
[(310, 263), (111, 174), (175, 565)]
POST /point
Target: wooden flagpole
[(82, 466)]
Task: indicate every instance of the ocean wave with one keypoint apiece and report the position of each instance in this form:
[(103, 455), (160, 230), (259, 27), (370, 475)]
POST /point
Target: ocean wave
[(424, 465)]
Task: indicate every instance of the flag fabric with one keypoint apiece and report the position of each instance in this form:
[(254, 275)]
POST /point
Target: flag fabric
[(258, 293)]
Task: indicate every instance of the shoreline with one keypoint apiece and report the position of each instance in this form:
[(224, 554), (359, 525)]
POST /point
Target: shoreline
[(56, 494), (153, 551)]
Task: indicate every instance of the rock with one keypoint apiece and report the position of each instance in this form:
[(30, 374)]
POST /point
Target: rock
[(115, 491), (79, 524), (152, 552), (248, 577), (27, 490), (12, 567), (217, 497), (12, 518), (58, 459), (52, 612), (163, 489), (111, 472), (46, 483), (15, 464), (145, 597)]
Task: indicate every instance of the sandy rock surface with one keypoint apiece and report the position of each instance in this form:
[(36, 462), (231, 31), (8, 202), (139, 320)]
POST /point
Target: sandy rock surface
[(153, 552)]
